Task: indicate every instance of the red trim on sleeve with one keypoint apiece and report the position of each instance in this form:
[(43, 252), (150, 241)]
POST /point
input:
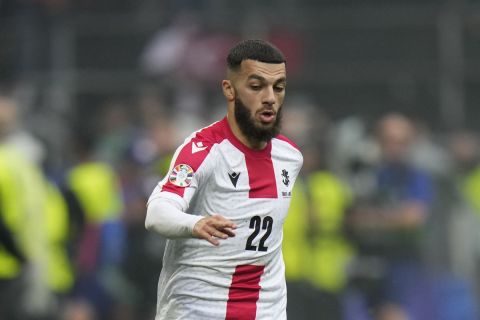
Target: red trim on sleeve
[(192, 154)]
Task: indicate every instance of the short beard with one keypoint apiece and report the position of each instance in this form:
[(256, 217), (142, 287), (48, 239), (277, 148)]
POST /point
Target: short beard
[(252, 132)]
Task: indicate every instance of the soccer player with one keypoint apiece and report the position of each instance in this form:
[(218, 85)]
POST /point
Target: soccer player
[(224, 201)]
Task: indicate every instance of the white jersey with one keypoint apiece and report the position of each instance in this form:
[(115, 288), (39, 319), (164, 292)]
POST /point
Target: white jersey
[(243, 277)]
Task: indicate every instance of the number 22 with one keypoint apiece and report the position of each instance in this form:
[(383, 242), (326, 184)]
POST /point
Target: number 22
[(256, 223)]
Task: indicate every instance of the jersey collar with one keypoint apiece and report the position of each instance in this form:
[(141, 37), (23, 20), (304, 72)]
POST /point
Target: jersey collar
[(253, 153)]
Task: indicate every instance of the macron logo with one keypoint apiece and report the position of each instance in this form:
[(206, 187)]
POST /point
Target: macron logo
[(234, 178), (197, 147)]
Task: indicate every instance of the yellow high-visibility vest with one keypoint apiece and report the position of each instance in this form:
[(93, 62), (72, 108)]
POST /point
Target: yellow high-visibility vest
[(22, 201), (329, 200), (97, 188), (59, 274), (295, 246), (314, 247), (470, 187)]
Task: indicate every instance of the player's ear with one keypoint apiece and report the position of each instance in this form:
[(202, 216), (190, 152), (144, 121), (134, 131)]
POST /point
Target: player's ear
[(228, 90)]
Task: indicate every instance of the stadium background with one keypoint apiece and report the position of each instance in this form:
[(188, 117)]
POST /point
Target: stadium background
[(127, 80)]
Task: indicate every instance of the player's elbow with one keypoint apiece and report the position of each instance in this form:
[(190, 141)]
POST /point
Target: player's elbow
[(166, 219), (148, 224), (158, 217), (149, 219)]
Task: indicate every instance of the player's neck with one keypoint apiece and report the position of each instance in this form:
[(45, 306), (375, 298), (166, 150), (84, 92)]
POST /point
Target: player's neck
[(252, 144)]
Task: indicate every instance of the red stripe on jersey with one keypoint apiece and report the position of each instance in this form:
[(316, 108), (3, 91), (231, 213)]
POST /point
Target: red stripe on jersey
[(244, 293), (261, 177), (193, 153), (259, 166)]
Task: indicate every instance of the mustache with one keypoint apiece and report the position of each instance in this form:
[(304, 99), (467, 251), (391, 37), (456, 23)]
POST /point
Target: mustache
[(247, 123), (267, 109)]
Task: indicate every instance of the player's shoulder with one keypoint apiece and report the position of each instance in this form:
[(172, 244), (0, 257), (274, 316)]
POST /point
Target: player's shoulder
[(287, 142), (211, 134), (286, 149), (199, 144)]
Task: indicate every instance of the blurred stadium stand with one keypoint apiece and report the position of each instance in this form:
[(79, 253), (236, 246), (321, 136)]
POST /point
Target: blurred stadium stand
[(349, 57), (360, 57)]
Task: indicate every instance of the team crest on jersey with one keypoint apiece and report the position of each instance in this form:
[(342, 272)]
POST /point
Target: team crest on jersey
[(285, 177), (181, 175)]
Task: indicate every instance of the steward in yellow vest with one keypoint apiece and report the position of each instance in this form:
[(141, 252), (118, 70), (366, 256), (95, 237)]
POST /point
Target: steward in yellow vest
[(315, 249), (22, 211), (96, 187)]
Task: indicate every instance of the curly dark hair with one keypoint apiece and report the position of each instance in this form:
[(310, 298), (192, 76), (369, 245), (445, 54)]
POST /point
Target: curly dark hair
[(258, 50)]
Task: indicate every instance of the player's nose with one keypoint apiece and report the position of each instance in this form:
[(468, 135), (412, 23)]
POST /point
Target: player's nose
[(268, 96)]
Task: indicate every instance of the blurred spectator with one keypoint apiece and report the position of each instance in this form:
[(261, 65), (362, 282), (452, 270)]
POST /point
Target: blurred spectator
[(163, 60), (163, 55), (428, 154), (26, 258), (316, 250), (185, 60), (354, 155), (296, 248), (465, 148), (118, 130), (142, 167), (187, 51), (100, 252), (464, 219), (143, 251), (60, 275), (78, 310), (13, 131), (387, 226), (392, 312)]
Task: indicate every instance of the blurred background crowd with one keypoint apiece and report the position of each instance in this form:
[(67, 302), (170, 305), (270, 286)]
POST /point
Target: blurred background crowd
[(95, 95)]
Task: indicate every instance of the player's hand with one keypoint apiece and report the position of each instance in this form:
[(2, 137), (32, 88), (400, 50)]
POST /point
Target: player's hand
[(213, 228)]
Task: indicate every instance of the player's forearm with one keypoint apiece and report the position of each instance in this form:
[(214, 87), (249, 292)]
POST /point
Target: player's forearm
[(165, 218)]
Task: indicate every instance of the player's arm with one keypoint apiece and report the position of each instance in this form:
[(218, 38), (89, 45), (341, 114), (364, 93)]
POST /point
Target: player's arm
[(166, 210), (165, 217)]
